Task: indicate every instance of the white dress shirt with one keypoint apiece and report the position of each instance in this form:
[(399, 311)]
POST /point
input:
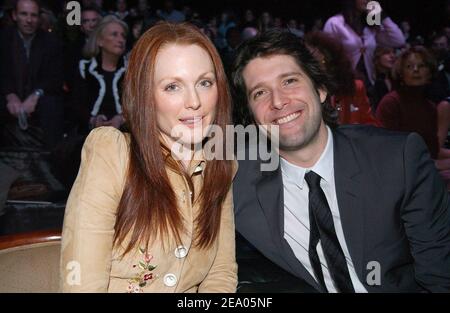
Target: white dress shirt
[(296, 213)]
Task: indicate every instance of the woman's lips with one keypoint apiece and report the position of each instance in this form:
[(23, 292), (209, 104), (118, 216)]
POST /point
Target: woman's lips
[(192, 121)]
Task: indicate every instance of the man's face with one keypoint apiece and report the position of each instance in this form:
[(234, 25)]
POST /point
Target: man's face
[(280, 93), (89, 20), (26, 16), (440, 47)]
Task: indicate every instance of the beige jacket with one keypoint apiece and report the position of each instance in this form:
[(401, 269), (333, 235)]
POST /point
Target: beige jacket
[(89, 263)]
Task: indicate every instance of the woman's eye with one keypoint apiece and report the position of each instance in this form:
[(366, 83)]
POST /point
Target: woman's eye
[(206, 83), (171, 87)]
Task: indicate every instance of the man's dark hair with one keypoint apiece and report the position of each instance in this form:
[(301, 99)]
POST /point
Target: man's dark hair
[(277, 42), (38, 3)]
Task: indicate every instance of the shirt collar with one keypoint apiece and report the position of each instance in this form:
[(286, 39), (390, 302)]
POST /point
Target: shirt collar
[(197, 164), (323, 167), (26, 41)]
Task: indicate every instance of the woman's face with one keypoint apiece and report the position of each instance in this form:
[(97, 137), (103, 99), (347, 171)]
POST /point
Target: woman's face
[(113, 39), (387, 60), (415, 71), (121, 5), (137, 30), (185, 93), (249, 16), (266, 18)]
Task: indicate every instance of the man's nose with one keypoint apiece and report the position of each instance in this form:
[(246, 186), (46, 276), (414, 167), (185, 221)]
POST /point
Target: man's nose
[(279, 99)]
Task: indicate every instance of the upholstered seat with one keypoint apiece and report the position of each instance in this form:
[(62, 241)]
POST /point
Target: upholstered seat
[(30, 262)]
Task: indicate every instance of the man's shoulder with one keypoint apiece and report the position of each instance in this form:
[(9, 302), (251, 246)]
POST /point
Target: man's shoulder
[(377, 143), (50, 40), (6, 35), (368, 133)]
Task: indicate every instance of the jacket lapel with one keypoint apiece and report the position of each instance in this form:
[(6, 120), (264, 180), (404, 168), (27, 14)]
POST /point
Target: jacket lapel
[(349, 187), (270, 196), (36, 56)]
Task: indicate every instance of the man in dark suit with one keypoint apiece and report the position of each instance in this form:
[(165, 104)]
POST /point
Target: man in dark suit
[(349, 209), (31, 78)]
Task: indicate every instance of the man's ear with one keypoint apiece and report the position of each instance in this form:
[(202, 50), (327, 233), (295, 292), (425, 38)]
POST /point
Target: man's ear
[(14, 16), (322, 95)]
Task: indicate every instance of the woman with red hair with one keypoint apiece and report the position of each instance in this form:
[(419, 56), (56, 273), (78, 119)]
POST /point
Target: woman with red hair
[(140, 218)]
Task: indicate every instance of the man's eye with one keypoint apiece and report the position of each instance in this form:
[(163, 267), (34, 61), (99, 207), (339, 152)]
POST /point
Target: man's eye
[(258, 94), (290, 81)]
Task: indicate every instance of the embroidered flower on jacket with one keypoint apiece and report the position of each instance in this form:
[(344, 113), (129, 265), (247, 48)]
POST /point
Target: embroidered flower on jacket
[(145, 274)]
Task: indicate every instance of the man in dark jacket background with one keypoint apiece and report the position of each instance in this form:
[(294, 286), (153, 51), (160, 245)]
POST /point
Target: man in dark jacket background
[(31, 77)]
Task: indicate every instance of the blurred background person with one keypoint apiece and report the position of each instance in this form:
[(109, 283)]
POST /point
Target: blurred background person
[(249, 19), (96, 93), (294, 28), (122, 11), (406, 30), (359, 39), (31, 81), (383, 60), (407, 107), (265, 22), (90, 17), (169, 13), (349, 94), (227, 21)]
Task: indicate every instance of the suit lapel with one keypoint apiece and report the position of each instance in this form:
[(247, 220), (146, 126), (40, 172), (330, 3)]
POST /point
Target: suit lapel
[(347, 174), (270, 196)]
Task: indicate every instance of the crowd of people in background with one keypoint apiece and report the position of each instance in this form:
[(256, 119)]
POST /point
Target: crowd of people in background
[(58, 82)]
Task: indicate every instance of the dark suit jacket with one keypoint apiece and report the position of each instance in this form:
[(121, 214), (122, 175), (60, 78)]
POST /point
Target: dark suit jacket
[(44, 70), (393, 206)]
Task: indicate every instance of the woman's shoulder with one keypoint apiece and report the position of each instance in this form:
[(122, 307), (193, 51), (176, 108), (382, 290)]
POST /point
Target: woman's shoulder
[(85, 64), (108, 141), (391, 100), (360, 87), (337, 19)]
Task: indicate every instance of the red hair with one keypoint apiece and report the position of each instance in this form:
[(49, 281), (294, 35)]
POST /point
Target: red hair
[(148, 207)]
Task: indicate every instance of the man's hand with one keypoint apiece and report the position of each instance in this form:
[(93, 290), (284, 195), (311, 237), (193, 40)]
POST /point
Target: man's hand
[(29, 105), (13, 104)]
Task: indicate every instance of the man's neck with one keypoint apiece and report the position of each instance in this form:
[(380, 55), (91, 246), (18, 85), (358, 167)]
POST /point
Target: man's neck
[(308, 155), (25, 36)]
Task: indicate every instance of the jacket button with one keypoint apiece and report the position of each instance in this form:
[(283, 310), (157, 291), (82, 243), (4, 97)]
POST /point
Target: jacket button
[(180, 252), (170, 280)]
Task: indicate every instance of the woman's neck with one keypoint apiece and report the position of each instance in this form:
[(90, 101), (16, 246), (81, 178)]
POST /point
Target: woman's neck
[(413, 92), (109, 61)]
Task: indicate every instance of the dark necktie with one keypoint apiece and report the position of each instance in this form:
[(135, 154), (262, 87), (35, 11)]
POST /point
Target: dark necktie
[(322, 228)]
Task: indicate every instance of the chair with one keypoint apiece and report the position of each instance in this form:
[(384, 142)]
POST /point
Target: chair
[(29, 262)]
